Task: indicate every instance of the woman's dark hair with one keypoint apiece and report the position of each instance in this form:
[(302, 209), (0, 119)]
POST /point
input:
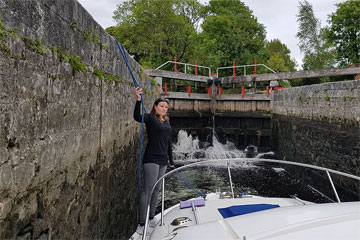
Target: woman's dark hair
[(153, 111)]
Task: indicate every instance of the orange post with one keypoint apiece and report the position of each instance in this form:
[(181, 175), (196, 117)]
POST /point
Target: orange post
[(165, 88), (175, 68), (220, 91), (254, 67), (267, 91), (243, 91), (188, 89), (234, 74), (208, 89), (195, 67)]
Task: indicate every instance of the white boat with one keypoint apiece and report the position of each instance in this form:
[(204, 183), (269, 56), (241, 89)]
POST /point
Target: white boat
[(248, 217)]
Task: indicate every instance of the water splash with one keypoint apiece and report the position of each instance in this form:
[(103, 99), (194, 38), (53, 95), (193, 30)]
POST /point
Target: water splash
[(186, 146), (189, 148)]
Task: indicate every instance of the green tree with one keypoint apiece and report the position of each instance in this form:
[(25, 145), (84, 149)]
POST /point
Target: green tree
[(279, 57), (344, 32), (230, 33), (155, 31), (317, 54)]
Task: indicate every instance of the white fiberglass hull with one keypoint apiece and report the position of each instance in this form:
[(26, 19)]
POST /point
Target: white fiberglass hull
[(294, 219)]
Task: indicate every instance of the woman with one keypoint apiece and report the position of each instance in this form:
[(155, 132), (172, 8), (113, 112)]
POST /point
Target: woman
[(157, 154)]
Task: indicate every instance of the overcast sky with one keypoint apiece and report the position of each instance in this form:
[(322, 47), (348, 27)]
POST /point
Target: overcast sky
[(278, 17)]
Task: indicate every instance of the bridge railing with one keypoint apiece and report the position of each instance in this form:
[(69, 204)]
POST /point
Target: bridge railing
[(175, 85), (244, 67), (186, 67)]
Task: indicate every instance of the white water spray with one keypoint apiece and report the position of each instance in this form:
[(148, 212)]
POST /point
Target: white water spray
[(188, 148)]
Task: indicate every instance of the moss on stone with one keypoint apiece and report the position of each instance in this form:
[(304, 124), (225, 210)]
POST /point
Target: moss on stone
[(36, 46), (77, 64), (104, 45), (91, 37), (5, 34), (73, 25)]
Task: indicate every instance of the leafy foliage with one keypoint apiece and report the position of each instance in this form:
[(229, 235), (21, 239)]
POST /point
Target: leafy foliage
[(77, 64), (317, 54), (5, 34), (344, 32), (156, 30), (230, 33), (223, 31), (35, 45), (279, 57)]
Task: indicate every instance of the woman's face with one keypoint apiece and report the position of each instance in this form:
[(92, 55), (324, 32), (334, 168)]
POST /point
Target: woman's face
[(161, 108)]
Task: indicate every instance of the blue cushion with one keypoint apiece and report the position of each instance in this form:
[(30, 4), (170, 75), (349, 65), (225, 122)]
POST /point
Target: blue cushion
[(244, 209)]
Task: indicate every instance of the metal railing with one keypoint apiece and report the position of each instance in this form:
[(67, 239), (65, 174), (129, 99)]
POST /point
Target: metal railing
[(243, 66), (162, 179), (185, 66)]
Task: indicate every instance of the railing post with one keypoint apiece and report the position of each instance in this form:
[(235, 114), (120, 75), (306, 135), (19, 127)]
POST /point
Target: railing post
[(220, 91), (208, 89), (195, 67), (254, 67), (231, 184), (165, 88), (234, 74), (147, 219), (242, 91), (175, 68), (162, 202), (333, 187), (188, 89), (267, 91)]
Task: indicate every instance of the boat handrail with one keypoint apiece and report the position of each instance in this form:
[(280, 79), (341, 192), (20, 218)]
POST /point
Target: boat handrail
[(327, 170)]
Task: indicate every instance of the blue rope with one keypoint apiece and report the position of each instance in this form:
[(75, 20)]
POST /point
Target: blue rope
[(190, 186), (123, 53)]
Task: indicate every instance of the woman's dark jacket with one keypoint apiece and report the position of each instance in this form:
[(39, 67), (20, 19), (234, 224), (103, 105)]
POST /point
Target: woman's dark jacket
[(159, 147)]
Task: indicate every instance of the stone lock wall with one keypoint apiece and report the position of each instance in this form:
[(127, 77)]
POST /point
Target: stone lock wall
[(68, 142), (320, 125)]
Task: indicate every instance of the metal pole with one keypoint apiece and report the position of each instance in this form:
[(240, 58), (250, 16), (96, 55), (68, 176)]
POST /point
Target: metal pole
[(147, 218), (231, 184), (162, 202), (333, 186)]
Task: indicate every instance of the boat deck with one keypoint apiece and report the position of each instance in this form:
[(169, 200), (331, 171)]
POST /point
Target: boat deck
[(210, 213)]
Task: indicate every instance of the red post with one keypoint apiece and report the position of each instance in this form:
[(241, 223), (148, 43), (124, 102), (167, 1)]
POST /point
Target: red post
[(254, 66), (175, 68), (165, 88), (243, 91), (208, 89), (233, 69), (188, 89), (195, 67), (220, 91), (267, 91)]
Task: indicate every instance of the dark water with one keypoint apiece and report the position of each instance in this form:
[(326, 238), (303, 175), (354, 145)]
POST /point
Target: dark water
[(263, 181), (260, 178)]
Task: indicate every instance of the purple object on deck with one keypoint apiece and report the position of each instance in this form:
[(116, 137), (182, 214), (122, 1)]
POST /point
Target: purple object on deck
[(195, 202)]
